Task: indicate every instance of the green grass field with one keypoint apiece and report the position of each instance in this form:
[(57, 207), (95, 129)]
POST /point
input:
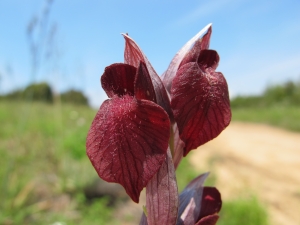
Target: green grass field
[(243, 210), (278, 105), (287, 117), (44, 169)]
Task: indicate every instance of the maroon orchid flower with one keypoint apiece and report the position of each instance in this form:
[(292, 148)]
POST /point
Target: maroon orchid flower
[(199, 95), (141, 133), (199, 205), (123, 143)]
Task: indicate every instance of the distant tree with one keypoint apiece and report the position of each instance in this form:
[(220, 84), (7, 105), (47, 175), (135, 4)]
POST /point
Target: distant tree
[(43, 92), (38, 92), (282, 94), (247, 101), (33, 92), (74, 97), (14, 95), (287, 93)]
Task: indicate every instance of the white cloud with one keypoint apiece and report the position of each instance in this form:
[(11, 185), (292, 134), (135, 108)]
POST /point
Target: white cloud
[(206, 9), (252, 79)]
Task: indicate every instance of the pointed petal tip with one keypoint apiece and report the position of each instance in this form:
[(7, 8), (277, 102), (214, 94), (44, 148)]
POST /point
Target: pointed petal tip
[(176, 61), (126, 36), (206, 174), (208, 26), (203, 31)]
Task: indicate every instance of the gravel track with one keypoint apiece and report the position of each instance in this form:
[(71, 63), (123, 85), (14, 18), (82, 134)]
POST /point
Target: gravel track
[(259, 159)]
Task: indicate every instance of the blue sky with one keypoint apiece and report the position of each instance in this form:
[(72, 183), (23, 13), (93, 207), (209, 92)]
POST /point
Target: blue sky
[(258, 41)]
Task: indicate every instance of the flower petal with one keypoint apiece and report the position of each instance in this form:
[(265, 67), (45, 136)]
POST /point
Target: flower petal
[(123, 143), (143, 87), (208, 59), (200, 102), (208, 220), (190, 201), (211, 202), (178, 146), (162, 195), (200, 45), (174, 65), (133, 55), (188, 216), (193, 54), (118, 79)]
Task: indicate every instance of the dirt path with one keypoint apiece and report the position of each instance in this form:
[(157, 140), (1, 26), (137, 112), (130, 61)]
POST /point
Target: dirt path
[(260, 159)]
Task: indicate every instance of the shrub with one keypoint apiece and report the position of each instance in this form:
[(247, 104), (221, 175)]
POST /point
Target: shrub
[(38, 92), (75, 97), (287, 94), (34, 92), (248, 211)]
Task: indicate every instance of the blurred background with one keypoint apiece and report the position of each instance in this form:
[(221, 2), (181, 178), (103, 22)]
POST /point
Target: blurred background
[(52, 54)]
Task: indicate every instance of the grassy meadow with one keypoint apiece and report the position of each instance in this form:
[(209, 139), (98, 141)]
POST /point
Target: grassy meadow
[(44, 169), (279, 106), (287, 117)]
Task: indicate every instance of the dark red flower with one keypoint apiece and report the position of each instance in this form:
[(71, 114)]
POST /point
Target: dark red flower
[(199, 205), (199, 95), (141, 133), (123, 143)]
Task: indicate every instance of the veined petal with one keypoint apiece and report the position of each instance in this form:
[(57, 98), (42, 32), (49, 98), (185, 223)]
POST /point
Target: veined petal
[(178, 146), (206, 39), (208, 220), (118, 79), (199, 205), (204, 36), (162, 195), (133, 55), (193, 54), (124, 144), (143, 87), (200, 102), (190, 201), (211, 202), (188, 217), (208, 59)]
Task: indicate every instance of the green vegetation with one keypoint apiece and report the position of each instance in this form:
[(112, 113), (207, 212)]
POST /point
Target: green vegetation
[(75, 97), (243, 210), (287, 117), (33, 92), (279, 106), (246, 210), (287, 94), (44, 169), (42, 92), (43, 165), (185, 173)]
